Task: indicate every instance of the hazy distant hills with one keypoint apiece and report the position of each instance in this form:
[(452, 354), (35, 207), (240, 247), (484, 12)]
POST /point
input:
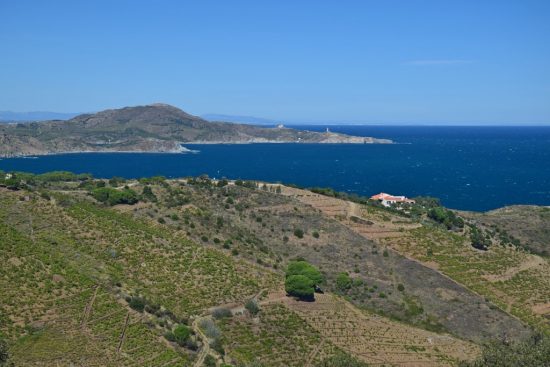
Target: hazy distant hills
[(239, 119), (150, 128), (10, 116)]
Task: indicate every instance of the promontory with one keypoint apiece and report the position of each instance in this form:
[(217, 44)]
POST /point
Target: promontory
[(150, 128)]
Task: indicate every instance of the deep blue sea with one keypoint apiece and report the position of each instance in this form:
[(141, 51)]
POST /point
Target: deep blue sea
[(471, 168)]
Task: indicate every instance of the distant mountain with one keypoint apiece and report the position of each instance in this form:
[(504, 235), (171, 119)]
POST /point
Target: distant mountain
[(10, 116), (239, 119), (151, 128)]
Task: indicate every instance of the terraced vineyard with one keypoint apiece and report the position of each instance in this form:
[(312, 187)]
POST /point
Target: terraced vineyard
[(187, 278), (66, 317), (278, 337), (510, 278), (72, 268), (377, 340), (516, 281), (99, 284)]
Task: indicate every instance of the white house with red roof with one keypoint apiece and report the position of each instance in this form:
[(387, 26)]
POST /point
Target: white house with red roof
[(388, 200)]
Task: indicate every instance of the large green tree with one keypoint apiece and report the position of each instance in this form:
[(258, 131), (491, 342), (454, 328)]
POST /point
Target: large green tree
[(301, 279), (300, 286), (304, 268)]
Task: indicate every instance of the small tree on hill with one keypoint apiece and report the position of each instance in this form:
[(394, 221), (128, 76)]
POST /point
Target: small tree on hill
[(304, 268), (301, 279), (148, 194), (252, 306), (300, 286), (343, 282), (478, 239)]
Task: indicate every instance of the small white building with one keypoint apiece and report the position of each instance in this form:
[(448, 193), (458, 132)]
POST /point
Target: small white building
[(388, 200)]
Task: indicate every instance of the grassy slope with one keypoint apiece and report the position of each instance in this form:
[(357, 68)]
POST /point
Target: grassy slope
[(62, 252), (260, 227), (529, 224), (57, 257), (510, 278)]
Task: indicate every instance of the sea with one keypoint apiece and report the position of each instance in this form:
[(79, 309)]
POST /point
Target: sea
[(467, 168)]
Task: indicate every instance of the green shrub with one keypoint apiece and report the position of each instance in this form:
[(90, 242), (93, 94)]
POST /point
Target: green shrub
[(152, 180), (210, 329), (252, 306), (209, 361), (446, 217), (343, 282), (112, 196), (478, 239), (137, 303), (220, 313), (299, 233), (117, 181), (341, 360), (299, 286), (181, 334)]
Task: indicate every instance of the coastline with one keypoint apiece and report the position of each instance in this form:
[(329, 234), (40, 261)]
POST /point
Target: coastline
[(183, 150)]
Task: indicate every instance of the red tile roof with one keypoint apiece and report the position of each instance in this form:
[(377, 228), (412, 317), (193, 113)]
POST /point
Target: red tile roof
[(388, 197)]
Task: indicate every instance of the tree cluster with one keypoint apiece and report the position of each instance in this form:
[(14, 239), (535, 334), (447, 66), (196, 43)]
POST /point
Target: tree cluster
[(446, 217), (112, 196), (302, 279)]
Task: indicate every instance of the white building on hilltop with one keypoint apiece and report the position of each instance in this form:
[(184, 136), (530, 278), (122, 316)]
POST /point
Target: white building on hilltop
[(389, 200)]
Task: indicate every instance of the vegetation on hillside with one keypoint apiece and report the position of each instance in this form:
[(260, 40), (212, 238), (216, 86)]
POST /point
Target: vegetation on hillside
[(301, 279), (533, 352), (201, 256), (151, 128)]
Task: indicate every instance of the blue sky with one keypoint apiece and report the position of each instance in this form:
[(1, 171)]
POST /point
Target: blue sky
[(408, 61)]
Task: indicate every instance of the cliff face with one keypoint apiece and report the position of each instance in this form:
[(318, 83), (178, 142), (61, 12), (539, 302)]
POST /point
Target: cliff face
[(155, 128)]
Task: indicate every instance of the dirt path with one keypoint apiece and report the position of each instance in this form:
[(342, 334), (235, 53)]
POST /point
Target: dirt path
[(379, 229), (205, 350), (88, 308), (123, 334)]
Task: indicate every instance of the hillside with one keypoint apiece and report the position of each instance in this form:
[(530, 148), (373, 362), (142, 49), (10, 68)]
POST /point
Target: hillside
[(526, 225), (151, 128), (120, 266)]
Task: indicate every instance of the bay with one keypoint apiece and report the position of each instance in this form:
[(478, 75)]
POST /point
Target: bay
[(469, 168)]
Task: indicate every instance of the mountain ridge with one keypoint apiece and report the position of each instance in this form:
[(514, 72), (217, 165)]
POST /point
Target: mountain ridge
[(149, 128)]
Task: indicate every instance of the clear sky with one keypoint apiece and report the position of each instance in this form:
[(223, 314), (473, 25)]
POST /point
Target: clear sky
[(383, 61)]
